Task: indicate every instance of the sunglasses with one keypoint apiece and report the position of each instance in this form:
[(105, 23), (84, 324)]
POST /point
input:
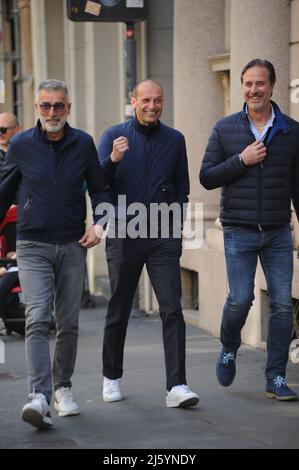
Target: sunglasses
[(3, 130), (59, 107)]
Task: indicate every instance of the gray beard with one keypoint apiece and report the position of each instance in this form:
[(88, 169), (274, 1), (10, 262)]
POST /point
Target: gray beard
[(55, 128)]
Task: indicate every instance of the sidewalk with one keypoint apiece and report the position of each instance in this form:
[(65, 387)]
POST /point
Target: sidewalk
[(236, 417)]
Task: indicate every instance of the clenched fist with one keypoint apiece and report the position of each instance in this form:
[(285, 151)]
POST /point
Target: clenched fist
[(120, 146), (254, 153)]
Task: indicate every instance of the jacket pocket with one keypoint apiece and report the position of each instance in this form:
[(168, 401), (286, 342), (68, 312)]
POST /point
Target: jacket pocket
[(26, 210)]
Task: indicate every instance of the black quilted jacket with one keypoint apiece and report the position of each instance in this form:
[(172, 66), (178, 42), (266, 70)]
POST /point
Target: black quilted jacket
[(258, 194)]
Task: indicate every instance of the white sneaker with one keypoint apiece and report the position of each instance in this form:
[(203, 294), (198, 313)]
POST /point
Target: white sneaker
[(111, 390), (64, 402), (37, 412), (182, 396)]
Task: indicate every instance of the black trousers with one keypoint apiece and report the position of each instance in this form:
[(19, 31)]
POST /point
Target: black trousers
[(126, 258), (7, 282)]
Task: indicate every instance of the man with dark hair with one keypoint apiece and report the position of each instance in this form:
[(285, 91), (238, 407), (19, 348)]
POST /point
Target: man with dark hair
[(254, 156), (52, 163), (145, 161), (261, 63)]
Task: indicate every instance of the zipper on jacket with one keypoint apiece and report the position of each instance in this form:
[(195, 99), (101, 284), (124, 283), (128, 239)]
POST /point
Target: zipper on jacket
[(250, 131), (51, 147), (260, 194), (261, 164), (26, 209)]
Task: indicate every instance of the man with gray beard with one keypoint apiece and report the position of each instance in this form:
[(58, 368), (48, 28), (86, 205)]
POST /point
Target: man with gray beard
[(53, 163)]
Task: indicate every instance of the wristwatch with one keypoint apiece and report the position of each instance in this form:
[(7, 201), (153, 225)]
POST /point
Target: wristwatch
[(241, 160)]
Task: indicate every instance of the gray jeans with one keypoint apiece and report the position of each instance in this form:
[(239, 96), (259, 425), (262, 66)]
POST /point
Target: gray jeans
[(51, 272)]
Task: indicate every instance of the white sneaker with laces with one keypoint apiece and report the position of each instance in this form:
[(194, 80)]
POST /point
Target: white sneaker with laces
[(64, 402), (111, 390), (37, 412), (181, 396)]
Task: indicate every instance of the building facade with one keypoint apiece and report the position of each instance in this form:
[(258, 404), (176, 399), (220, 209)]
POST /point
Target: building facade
[(196, 49)]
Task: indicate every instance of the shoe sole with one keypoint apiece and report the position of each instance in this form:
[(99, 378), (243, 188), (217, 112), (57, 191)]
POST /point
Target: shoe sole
[(227, 384), (109, 400), (35, 419), (183, 404), (65, 414), (224, 384), (272, 395)]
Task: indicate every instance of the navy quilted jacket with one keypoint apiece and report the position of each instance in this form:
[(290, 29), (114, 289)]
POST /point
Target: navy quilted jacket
[(258, 194)]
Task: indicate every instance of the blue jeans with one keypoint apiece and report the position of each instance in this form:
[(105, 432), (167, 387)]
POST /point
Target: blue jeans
[(274, 248), (46, 271)]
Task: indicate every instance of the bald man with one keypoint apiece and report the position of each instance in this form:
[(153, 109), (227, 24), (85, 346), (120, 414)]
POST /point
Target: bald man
[(9, 126), (146, 163)]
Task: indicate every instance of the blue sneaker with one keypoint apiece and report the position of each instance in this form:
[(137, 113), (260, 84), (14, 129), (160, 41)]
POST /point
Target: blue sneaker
[(226, 367), (278, 389)]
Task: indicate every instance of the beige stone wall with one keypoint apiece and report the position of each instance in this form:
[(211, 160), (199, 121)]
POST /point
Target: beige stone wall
[(260, 29), (28, 114), (198, 94), (38, 41)]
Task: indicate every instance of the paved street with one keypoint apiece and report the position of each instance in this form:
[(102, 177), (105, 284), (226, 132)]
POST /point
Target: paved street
[(236, 417)]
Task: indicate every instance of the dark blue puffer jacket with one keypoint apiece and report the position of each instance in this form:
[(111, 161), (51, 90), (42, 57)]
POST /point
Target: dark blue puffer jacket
[(258, 194)]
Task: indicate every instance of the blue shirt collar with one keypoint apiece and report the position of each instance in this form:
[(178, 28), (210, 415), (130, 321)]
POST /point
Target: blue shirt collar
[(261, 134)]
